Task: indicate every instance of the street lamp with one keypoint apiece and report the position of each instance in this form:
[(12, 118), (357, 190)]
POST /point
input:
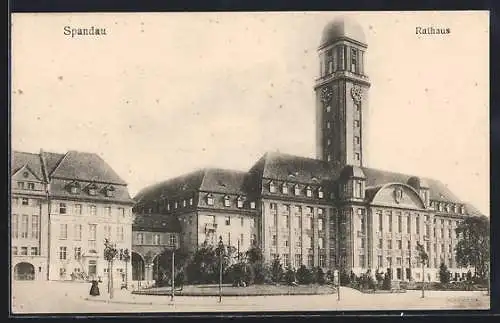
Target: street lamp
[(221, 248)]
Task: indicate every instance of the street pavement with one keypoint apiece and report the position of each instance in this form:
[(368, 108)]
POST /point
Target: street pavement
[(69, 297)]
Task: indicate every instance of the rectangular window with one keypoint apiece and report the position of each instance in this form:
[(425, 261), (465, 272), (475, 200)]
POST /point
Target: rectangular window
[(25, 201), (408, 224), (24, 226), (62, 253), (321, 243), (140, 238), (354, 60), (362, 261), (172, 241), (417, 225), (310, 261), (107, 211), (379, 261), (297, 222), (298, 242), (14, 251), (31, 186), (275, 240), (400, 224), (15, 226), (92, 232), (409, 245), (380, 243), (63, 231), (275, 219), (62, 208), (156, 239), (389, 244), (93, 210), (20, 185), (252, 205), (356, 156), (298, 260), (120, 236), (34, 251), (356, 140), (35, 223), (78, 232), (285, 219), (356, 123), (400, 244), (24, 251), (107, 231), (380, 221), (228, 220), (78, 253), (389, 216), (78, 209), (320, 224), (121, 212)]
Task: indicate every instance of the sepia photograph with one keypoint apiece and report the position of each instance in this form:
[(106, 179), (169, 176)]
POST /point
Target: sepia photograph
[(249, 162)]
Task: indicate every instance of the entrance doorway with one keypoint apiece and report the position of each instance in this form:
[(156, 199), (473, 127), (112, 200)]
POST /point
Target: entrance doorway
[(24, 271), (92, 269)]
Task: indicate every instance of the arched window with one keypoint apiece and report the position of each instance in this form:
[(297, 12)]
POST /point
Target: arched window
[(240, 202), (320, 193), (308, 191)]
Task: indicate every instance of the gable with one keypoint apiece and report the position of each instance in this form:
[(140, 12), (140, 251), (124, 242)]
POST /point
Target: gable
[(398, 195), (26, 174)]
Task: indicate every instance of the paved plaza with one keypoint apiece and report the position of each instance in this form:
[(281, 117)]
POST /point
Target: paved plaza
[(68, 297)]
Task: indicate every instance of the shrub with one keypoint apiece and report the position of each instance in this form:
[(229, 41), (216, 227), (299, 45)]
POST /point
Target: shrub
[(276, 270), (290, 276), (345, 279), (329, 277), (386, 284), (444, 274), (319, 276), (379, 276), (304, 275), (261, 273)]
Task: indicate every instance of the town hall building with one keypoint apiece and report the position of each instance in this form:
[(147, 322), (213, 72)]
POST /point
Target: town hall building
[(333, 211)]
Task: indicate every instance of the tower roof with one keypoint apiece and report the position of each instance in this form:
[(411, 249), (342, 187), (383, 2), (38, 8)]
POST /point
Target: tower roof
[(342, 28)]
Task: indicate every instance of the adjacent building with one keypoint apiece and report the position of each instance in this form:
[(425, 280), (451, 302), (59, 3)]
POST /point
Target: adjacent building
[(63, 207), (333, 211)]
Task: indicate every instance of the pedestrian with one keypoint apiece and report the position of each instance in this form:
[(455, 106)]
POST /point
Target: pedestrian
[(94, 289)]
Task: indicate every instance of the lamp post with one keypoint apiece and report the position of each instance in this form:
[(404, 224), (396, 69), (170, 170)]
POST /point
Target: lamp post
[(221, 247)]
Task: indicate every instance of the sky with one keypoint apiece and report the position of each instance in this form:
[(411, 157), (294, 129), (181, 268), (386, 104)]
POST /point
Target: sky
[(163, 94)]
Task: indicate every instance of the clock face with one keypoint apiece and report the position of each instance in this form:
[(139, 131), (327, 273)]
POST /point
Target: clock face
[(357, 94), (326, 94)]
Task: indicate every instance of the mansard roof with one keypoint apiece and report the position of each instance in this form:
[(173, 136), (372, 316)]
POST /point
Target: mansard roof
[(208, 180), (86, 167), (285, 167), (156, 223)]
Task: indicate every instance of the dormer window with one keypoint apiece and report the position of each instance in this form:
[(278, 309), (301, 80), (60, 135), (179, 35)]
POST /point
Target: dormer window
[(447, 208), (184, 203), (191, 201), (110, 191), (328, 108), (168, 206), (92, 189), (227, 201), (462, 209), (74, 188), (272, 187), (20, 185), (176, 205), (252, 205), (240, 202), (320, 193), (210, 199), (440, 207), (284, 188), (296, 189), (308, 191)]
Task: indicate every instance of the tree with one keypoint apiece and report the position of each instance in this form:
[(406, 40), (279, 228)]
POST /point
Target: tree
[(276, 270), (126, 258), (473, 247), (165, 263), (379, 276), (204, 265), (110, 253), (254, 255), (444, 274), (424, 258)]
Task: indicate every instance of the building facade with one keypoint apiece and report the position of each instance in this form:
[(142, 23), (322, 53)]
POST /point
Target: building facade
[(333, 211), (63, 207)]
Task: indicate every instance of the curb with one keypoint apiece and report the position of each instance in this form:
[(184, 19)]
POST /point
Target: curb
[(125, 302)]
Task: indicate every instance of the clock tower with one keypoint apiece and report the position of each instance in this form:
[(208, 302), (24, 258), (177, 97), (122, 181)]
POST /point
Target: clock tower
[(342, 95)]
